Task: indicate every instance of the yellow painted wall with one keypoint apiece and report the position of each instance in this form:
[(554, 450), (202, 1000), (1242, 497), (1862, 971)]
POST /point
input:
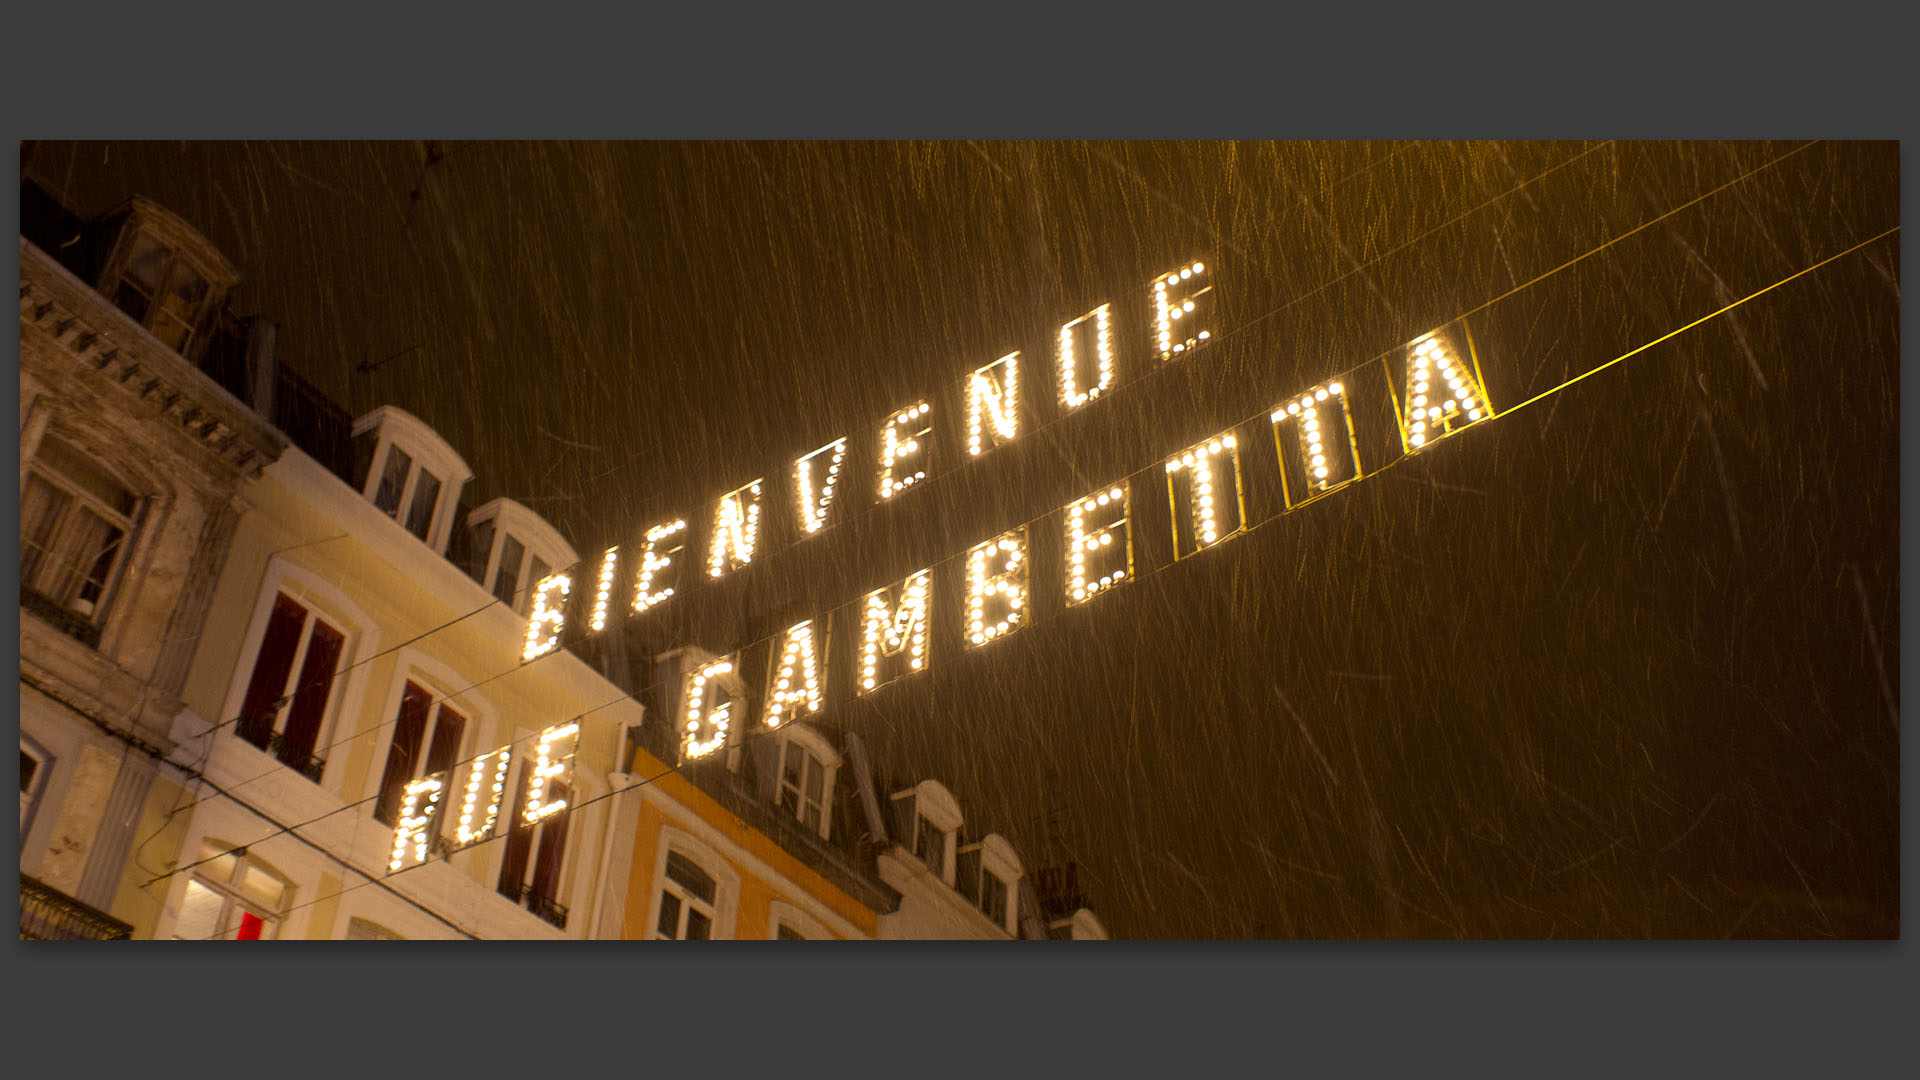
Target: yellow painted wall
[(752, 921)]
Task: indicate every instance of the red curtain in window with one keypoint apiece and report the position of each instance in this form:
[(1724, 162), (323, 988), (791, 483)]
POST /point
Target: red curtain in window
[(270, 670), (310, 701), (250, 927), (408, 729)]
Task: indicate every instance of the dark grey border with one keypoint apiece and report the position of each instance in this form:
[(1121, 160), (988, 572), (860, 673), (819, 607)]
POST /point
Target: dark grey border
[(554, 70)]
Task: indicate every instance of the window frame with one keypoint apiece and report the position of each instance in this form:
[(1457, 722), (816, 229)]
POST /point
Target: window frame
[(999, 864), (36, 787), (362, 640), (933, 807), (539, 543), (427, 453), (726, 879), (360, 928), (64, 536), (438, 705), (141, 216), (575, 835), (782, 914), (311, 620), (798, 735), (231, 894), (483, 729)]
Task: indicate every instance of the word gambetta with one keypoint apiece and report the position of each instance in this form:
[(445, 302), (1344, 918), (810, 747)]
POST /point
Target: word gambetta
[(1439, 394)]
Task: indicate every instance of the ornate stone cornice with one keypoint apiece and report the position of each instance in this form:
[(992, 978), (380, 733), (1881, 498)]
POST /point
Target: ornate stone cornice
[(104, 340)]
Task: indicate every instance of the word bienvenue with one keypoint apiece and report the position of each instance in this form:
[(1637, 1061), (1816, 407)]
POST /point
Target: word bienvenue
[(1441, 393)]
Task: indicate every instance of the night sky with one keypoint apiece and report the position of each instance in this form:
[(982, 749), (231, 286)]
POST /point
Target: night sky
[(1622, 663)]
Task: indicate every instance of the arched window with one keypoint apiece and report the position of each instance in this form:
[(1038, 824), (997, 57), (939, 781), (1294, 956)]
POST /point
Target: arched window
[(695, 891), (988, 875), (232, 897), (409, 472), (687, 900), (932, 817), (165, 275), (804, 776), (512, 549)]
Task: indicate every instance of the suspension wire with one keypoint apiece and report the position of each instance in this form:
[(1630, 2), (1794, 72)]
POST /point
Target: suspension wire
[(1247, 527)]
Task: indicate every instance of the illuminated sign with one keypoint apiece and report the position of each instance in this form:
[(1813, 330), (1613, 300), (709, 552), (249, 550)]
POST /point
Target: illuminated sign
[(1329, 452), (1074, 342), (656, 558), (1203, 492), (993, 393), (1182, 310), (903, 439), (895, 629), (996, 586), (806, 474), (1095, 562), (708, 712), (796, 687), (549, 615), (736, 529), (1436, 392), (1441, 394)]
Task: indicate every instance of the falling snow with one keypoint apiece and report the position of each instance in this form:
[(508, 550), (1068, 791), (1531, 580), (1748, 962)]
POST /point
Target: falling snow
[(1621, 663)]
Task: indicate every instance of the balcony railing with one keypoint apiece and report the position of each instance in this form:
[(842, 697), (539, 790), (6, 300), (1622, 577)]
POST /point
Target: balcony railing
[(311, 767), (47, 914), (544, 906)]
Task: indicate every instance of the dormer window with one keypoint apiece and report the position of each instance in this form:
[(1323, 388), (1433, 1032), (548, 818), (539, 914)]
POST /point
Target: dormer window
[(805, 776), (930, 845), (933, 817), (166, 276), (409, 473), (513, 550), (989, 871)]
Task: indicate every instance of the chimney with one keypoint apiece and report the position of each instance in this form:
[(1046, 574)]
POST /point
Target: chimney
[(261, 369)]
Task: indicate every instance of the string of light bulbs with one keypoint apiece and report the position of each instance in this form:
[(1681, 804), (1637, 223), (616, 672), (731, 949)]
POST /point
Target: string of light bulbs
[(1248, 527), (920, 410), (941, 467)]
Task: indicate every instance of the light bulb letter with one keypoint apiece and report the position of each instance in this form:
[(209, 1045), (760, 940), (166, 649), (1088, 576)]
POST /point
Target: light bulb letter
[(1181, 301), (993, 396), (1099, 542), (736, 529), (657, 576), (996, 587), (795, 689), (549, 615), (1089, 336), (893, 639), (904, 441)]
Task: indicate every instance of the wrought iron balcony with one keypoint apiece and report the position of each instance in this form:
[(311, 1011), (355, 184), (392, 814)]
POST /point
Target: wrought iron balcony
[(311, 768), (47, 914), (544, 906)]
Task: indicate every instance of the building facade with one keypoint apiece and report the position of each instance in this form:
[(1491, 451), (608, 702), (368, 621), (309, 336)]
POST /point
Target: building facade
[(281, 679), (134, 466), (777, 821)]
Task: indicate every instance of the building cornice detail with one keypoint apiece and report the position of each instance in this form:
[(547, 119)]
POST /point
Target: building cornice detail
[(105, 340)]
